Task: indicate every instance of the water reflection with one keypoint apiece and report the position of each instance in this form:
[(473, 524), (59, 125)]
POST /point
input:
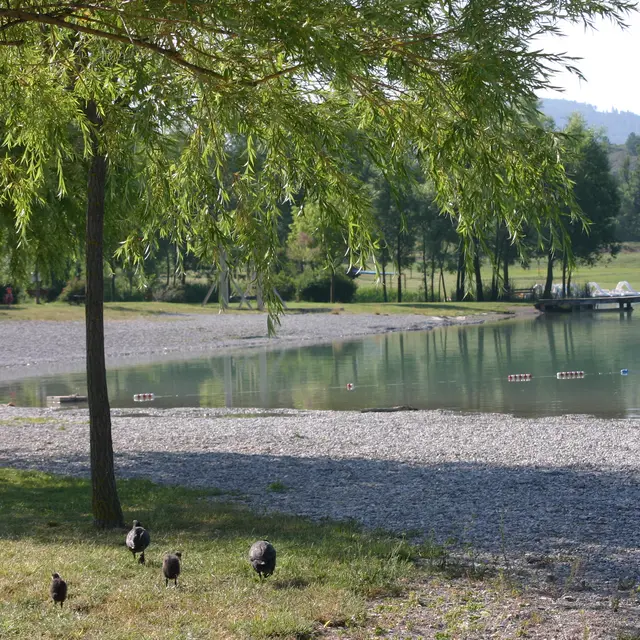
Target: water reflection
[(460, 368)]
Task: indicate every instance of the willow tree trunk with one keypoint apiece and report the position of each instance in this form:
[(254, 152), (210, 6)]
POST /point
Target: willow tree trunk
[(105, 502)]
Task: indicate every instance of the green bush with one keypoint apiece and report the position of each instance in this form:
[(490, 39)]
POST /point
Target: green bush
[(193, 293), (369, 294), (374, 294), (315, 286), (285, 285), (74, 291)]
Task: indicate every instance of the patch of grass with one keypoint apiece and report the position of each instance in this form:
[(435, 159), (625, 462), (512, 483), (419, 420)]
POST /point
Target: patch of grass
[(18, 421), (61, 311), (325, 571), (277, 487)]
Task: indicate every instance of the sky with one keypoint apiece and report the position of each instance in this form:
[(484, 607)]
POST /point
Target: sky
[(609, 58)]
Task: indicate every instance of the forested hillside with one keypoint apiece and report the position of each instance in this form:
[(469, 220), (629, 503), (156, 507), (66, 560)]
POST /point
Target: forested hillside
[(618, 124)]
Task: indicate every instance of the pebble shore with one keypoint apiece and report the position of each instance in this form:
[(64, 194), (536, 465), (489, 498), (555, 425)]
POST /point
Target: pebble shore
[(35, 348), (556, 498)]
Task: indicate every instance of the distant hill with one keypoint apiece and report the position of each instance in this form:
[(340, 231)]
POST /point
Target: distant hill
[(617, 124)]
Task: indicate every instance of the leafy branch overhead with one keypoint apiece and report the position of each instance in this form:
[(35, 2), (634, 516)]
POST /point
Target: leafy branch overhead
[(308, 84)]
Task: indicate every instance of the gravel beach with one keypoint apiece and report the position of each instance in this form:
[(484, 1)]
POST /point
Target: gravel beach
[(555, 500), (35, 348)]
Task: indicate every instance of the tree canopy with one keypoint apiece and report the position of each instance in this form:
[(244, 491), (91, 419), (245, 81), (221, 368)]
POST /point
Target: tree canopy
[(447, 80)]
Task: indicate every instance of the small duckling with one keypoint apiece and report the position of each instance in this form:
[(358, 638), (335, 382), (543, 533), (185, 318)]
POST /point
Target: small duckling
[(58, 589), (171, 567)]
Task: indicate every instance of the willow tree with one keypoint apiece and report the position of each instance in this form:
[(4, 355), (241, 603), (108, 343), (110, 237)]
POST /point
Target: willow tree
[(296, 79)]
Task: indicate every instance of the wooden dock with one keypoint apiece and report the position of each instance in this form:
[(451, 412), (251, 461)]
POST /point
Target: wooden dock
[(586, 304)]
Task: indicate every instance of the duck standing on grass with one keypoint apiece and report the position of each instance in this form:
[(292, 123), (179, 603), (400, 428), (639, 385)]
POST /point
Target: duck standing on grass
[(262, 557), (58, 589), (171, 567), (138, 540)]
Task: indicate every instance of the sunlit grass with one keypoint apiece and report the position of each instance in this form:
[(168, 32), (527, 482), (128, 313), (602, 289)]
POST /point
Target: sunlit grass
[(61, 311), (325, 572), (607, 273)]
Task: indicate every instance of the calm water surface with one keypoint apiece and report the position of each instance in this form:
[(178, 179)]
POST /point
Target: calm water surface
[(461, 368)]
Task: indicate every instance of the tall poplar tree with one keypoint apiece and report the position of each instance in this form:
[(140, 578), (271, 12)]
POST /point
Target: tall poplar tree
[(296, 78)]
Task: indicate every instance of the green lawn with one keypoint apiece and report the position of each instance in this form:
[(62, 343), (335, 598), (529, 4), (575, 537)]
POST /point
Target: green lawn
[(607, 273), (61, 311), (326, 573)]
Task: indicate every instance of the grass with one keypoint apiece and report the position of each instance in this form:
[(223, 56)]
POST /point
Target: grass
[(61, 311), (607, 273), (333, 580), (325, 572)]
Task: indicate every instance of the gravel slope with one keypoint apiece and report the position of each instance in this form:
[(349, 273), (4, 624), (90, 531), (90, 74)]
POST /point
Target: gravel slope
[(35, 348), (558, 487)]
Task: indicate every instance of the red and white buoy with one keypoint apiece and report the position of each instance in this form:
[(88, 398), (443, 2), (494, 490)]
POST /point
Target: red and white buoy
[(520, 377), (567, 375), (143, 397), (349, 386)]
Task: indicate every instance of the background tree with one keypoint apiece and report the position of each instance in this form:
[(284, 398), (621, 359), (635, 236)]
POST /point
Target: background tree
[(395, 210), (316, 238), (596, 192)]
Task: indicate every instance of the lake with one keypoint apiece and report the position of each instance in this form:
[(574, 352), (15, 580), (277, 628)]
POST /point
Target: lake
[(459, 368)]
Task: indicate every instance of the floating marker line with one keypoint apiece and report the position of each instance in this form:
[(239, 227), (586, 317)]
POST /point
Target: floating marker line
[(515, 377)]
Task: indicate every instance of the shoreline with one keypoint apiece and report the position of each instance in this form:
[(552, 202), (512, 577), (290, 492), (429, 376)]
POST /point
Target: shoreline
[(565, 489), (36, 348), (551, 502)]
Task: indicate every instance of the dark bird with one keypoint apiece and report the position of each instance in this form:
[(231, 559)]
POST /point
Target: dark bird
[(58, 589), (262, 557), (171, 567), (138, 540)]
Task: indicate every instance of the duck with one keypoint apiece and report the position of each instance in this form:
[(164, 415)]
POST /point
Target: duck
[(58, 589), (262, 557), (171, 567), (138, 540)]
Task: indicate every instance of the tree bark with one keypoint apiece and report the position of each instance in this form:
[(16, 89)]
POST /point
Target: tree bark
[(105, 502), (549, 281), (399, 260), (424, 267), (444, 290), (476, 267)]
